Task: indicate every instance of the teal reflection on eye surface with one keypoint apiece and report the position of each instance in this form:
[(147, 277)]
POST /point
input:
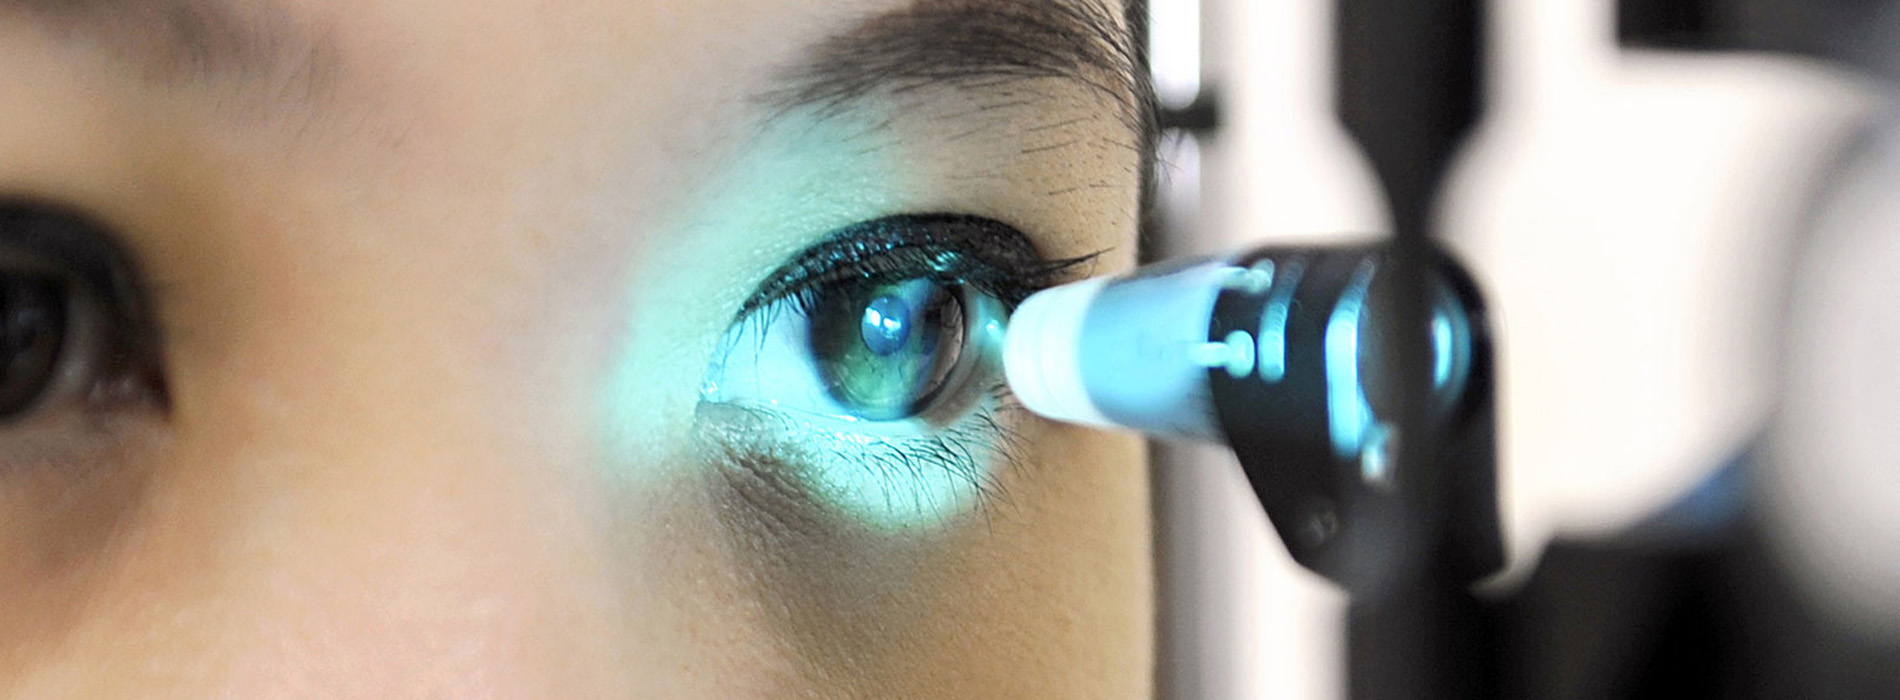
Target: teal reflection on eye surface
[(884, 385)]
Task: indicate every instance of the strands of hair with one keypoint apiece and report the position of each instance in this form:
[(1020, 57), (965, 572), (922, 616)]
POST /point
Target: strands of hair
[(980, 44)]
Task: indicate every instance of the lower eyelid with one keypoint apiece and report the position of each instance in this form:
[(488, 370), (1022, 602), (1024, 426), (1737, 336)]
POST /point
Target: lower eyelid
[(887, 484)]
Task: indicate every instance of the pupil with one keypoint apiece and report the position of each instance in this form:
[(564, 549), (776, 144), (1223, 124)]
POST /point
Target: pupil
[(886, 325), (32, 331)]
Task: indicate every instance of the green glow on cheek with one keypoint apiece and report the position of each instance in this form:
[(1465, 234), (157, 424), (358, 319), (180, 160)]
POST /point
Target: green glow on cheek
[(778, 192), (861, 477), (782, 191), (857, 478), (895, 502)]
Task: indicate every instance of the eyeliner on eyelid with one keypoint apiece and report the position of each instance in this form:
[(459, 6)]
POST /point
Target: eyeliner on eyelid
[(986, 254)]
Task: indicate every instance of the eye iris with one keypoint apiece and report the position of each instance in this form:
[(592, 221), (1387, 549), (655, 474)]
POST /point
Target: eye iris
[(884, 350), (32, 331)]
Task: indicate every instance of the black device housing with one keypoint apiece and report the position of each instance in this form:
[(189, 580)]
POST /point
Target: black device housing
[(1318, 500)]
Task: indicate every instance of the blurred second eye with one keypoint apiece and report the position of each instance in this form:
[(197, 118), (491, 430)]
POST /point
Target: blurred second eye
[(74, 337)]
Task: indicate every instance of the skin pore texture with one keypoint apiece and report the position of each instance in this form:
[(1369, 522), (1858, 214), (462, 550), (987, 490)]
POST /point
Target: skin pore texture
[(439, 296)]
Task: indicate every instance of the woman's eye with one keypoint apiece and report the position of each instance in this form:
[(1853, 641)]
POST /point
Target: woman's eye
[(892, 321), (74, 334), (868, 368), (858, 351)]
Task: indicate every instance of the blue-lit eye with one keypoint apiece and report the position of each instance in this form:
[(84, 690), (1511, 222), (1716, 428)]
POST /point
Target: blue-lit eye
[(866, 351), (883, 351), (865, 373)]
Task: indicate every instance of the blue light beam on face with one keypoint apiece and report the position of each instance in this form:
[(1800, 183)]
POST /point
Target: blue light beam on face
[(767, 200)]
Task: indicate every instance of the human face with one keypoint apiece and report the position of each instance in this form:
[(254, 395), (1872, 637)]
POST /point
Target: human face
[(458, 349)]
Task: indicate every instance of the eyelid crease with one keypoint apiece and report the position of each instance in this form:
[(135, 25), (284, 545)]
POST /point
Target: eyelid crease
[(993, 257)]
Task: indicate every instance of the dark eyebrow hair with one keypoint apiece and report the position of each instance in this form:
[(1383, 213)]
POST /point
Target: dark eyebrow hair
[(978, 44), (988, 45), (248, 46)]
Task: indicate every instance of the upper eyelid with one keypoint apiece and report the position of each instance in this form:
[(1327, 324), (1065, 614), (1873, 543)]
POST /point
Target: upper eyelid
[(995, 253), (71, 244)]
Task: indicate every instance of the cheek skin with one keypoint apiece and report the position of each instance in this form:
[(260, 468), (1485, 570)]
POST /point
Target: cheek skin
[(1078, 571), (378, 537), (54, 527), (995, 606)]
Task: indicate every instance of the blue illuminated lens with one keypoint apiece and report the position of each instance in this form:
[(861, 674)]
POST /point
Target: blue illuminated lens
[(1352, 424)]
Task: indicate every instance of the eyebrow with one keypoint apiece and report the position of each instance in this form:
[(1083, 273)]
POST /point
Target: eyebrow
[(982, 45), (943, 44), (254, 49)]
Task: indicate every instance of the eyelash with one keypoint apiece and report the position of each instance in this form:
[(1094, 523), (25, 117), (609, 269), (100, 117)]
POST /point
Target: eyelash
[(948, 248), (982, 438)]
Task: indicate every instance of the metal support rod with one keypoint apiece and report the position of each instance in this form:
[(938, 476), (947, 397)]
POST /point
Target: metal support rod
[(1409, 92)]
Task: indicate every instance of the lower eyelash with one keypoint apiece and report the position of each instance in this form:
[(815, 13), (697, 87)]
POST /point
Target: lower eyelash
[(775, 459)]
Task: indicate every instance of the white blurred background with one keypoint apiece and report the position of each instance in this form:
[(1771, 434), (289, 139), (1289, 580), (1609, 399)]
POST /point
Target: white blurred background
[(1629, 215)]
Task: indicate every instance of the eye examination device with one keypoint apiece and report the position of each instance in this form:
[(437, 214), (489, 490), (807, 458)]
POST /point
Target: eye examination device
[(1278, 354)]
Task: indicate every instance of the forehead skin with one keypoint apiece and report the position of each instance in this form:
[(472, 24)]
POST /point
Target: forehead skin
[(390, 299)]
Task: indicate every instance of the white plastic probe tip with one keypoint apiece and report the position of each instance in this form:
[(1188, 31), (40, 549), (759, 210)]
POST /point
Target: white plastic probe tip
[(1042, 353)]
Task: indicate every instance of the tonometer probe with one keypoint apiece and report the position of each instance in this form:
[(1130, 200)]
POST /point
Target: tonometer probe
[(1276, 353)]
